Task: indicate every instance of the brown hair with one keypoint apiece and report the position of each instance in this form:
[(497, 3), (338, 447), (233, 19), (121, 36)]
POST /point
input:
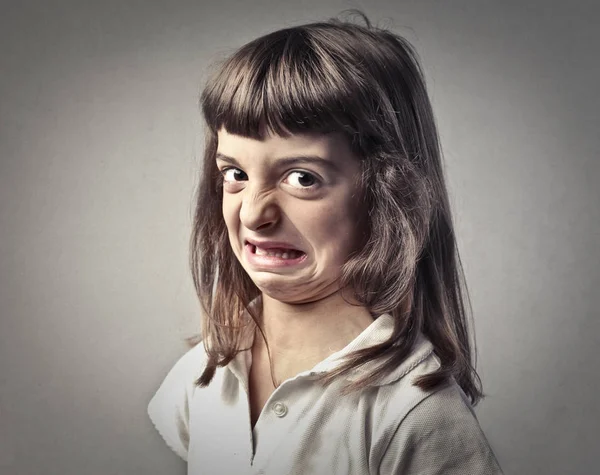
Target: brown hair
[(366, 83)]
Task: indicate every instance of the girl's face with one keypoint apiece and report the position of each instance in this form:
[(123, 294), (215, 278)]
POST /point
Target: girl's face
[(295, 193)]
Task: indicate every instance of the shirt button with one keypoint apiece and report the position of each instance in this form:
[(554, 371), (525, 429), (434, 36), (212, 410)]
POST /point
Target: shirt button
[(279, 409)]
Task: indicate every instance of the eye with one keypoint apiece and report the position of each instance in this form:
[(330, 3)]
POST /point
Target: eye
[(232, 175), (300, 179)]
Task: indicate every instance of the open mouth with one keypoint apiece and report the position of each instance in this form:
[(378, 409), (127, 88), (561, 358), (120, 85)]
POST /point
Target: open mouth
[(275, 252)]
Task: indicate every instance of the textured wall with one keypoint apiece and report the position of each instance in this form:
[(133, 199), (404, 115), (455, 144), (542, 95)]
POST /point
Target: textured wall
[(99, 150)]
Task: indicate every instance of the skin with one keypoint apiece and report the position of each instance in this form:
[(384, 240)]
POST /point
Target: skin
[(305, 316)]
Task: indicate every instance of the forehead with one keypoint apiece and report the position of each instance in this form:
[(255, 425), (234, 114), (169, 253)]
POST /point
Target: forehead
[(333, 147)]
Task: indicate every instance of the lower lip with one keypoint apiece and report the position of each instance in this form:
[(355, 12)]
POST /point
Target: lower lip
[(270, 261)]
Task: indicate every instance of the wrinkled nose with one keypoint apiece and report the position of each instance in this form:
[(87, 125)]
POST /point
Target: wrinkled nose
[(258, 211)]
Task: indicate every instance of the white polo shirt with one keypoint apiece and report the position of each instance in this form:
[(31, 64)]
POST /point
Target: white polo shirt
[(307, 429)]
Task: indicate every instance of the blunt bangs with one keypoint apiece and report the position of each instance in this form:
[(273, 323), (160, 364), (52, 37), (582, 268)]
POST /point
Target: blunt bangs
[(288, 82)]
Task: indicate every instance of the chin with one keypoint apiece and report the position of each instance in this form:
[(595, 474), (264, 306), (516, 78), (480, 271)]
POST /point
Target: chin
[(276, 288), (295, 292)]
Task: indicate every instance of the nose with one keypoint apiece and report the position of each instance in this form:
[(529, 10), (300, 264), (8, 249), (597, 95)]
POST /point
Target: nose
[(258, 210)]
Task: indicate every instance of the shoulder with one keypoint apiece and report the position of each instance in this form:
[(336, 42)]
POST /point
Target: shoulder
[(431, 432), (440, 434), (182, 376), (169, 407), (190, 364)]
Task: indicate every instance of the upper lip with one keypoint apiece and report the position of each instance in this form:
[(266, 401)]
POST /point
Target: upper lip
[(272, 244)]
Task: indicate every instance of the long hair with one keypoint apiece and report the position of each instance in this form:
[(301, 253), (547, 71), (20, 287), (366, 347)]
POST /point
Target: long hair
[(366, 83)]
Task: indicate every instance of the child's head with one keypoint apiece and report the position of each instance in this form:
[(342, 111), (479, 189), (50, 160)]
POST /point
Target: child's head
[(366, 85), (363, 84)]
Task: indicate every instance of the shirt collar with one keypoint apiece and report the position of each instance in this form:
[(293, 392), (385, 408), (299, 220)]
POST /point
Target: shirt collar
[(377, 332)]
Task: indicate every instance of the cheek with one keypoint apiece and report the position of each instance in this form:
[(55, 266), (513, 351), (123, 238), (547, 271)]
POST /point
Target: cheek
[(332, 229), (230, 217), (343, 226), (228, 210)]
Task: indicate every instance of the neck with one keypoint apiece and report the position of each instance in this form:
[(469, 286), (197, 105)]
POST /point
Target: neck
[(310, 331)]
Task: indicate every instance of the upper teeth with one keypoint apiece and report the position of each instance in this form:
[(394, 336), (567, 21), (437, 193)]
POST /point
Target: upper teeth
[(284, 254)]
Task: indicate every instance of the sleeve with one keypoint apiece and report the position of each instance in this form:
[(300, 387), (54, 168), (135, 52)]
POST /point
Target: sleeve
[(440, 436), (169, 409)]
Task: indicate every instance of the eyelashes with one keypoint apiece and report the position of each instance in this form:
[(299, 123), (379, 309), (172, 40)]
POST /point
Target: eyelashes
[(299, 179)]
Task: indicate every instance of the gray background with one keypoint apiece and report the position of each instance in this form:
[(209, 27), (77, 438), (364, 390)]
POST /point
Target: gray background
[(100, 144)]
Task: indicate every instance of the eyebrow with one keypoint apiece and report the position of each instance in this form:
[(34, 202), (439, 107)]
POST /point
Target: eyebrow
[(286, 161)]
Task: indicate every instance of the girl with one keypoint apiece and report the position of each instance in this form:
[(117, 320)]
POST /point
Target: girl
[(335, 339)]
